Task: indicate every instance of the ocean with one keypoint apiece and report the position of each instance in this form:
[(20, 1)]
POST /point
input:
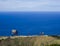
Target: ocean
[(30, 23)]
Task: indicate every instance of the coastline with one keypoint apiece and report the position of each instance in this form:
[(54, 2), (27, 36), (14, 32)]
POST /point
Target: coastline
[(5, 37)]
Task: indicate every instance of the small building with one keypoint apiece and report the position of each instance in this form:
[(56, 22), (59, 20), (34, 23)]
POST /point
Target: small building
[(41, 33), (14, 32)]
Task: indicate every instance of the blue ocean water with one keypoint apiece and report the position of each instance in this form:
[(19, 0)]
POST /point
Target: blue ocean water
[(30, 22)]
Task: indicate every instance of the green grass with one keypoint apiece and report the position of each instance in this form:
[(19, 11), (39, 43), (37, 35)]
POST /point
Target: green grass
[(53, 45), (58, 37)]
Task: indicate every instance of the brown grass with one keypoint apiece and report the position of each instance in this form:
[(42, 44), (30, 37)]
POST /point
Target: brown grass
[(29, 41)]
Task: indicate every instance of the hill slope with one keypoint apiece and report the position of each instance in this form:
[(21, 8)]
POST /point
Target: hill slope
[(29, 41)]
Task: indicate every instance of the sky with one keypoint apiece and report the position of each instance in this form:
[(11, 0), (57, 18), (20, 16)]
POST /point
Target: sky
[(29, 5)]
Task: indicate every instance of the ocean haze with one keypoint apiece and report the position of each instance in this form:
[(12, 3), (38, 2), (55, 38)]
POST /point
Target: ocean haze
[(29, 5), (30, 22)]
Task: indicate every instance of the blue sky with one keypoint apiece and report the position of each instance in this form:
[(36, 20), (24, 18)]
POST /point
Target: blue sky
[(29, 5)]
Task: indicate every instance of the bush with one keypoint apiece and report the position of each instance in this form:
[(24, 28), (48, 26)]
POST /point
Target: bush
[(54, 45)]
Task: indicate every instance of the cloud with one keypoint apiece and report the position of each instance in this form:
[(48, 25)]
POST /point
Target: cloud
[(29, 5)]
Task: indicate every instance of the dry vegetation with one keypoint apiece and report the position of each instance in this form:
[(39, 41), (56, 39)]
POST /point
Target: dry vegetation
[(30, 41)]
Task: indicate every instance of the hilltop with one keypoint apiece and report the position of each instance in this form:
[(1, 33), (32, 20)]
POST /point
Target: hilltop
[(28, 41)]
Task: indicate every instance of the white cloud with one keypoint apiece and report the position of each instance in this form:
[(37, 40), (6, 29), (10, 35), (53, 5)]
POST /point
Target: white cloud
[(29, 5)]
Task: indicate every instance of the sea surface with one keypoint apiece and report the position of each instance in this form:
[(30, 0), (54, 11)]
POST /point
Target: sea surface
[(30, 23)]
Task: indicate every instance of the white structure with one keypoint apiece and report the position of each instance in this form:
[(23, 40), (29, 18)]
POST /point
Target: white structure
[(14, 32)]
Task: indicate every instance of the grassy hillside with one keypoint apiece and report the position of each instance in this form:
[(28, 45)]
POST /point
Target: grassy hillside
[(30, 41)]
